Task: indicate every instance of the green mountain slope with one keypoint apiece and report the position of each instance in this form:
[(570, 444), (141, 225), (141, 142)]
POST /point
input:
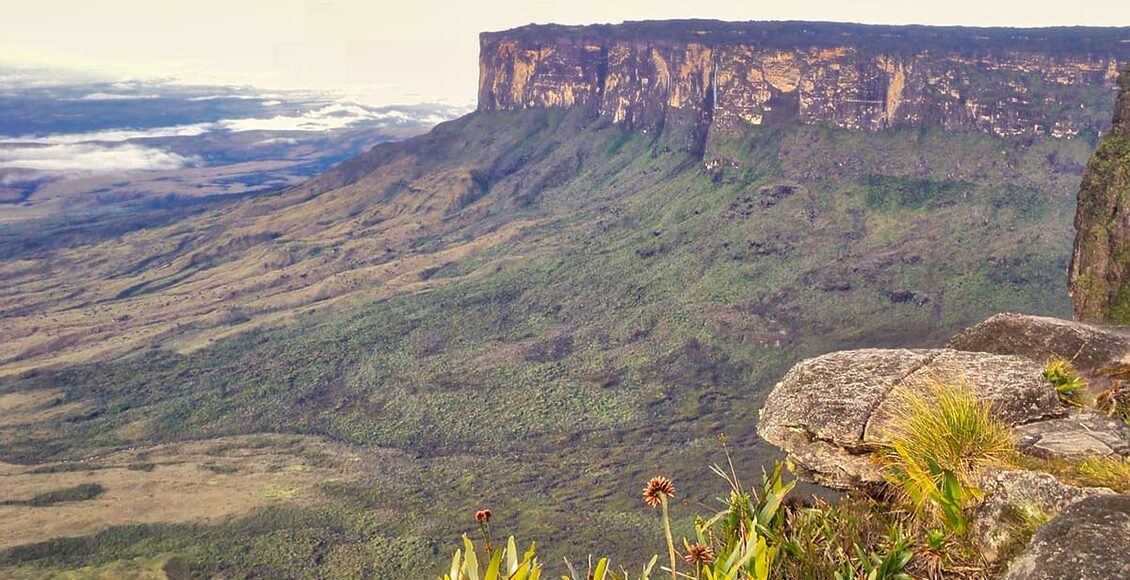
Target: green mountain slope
[(578, 307)]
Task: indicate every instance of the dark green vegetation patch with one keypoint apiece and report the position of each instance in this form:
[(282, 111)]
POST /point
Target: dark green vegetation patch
[(80, 492)]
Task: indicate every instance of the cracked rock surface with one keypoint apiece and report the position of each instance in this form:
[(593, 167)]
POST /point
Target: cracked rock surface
[(1083, 433), (1039, 338), (1011, 495), (830, 412), (1088, 540)]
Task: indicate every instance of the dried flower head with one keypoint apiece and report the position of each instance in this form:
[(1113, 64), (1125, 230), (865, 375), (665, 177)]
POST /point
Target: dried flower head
[(657, 488), (483, 516), (699, 554)]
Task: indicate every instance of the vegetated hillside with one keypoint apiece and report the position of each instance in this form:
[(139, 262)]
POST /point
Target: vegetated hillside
[(541, 309)]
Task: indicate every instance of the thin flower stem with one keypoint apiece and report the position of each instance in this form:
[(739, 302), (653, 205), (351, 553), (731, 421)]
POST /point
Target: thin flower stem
[(667, 532), (485, 527)]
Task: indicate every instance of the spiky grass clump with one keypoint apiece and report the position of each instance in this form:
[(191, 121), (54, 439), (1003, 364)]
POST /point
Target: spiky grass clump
[(502, 564), (1112, 472), (941, 437), (1069, 387), (951, 425)]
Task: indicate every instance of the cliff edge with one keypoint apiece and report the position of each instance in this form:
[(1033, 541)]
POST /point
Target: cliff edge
[(1100, 263), (722, 76), (1007, 81)]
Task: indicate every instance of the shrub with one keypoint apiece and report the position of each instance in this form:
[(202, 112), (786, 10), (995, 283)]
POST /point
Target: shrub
[(1115, 401), (1068, 386), (81, 492), (740, 535)]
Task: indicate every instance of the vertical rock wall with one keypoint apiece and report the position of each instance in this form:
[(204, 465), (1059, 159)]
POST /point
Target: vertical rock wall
[(1100, 264), (1004, 82)]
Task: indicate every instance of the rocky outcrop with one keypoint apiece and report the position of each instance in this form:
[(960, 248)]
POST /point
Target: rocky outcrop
[(830, 412), (1083, 433), (1013, 498), (1039, 338), (723, 76), (1100, 264), (1088, 540)]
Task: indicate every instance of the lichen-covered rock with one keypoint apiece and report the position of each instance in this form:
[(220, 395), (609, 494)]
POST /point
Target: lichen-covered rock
[(1100, 264), (1039, 338), (1013, 498), (819, 410), (830, 412), (1088, 540), (1083, 433), (1014, 386)]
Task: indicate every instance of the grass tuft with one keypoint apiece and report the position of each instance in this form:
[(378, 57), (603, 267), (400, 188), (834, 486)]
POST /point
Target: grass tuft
[(942, 436), (1112, 472)]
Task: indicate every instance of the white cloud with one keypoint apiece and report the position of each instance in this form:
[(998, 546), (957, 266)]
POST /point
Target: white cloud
[(90, 158), (334, 116), (113, 135), (214, 97), (276, 141), (115, 97), (330, 117), (114, 150)]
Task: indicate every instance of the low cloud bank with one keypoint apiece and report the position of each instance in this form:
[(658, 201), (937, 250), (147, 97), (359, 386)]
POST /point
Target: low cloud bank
[(134, 149), (91, 158), (115, 97)]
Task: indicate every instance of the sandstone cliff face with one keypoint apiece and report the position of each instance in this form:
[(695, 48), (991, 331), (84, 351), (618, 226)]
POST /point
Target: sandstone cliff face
[(725, 75), (1100, 264)]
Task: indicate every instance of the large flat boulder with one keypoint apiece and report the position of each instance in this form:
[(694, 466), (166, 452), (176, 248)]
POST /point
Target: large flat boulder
[(1014, 386), (830, 412), (1088, 540), (1039, 338), (819, 410)]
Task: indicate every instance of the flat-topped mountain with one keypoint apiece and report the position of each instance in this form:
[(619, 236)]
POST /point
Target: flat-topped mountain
[(536, 306), (722, 76)]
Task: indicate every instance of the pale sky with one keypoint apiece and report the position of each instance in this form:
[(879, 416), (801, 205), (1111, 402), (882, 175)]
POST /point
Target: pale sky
[(407, 50)]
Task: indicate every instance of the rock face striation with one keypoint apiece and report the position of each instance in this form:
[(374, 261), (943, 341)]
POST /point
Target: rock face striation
[(1100, 264), (719, 76)]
